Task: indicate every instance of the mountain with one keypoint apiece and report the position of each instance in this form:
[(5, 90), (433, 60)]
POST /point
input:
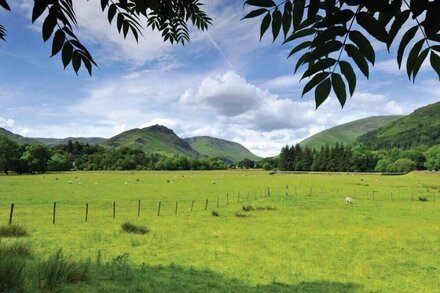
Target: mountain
[(83, 140), (420, 128), (214, 147), (15, 137), (347, 133), (156, 138)]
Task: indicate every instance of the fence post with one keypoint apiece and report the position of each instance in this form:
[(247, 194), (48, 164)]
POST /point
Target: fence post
[(87, 211), (286, 193), (218, 200), (54, 212), (177, 205), (206, 205), (114, 209), (192, 205), (139, 207), (11, 213), (158, 208), (227, 198)]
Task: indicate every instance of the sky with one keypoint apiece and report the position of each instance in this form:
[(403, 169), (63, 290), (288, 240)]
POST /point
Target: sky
[(225, 83)]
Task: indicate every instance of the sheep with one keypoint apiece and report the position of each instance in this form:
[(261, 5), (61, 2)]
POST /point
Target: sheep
[(70, 182), (349, 200)]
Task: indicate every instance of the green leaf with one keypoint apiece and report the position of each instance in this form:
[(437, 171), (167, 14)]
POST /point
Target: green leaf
[(350, 76), (104, 4), (255, 13), (48, 26), (261, 3), (358, 58), (287, 19), (407, 37), (328, 34), (412, 57), (435, 63), (364, 45), (66, 54), (300, 34), (76, 61), (265, 23), (325, 49), (319, 66), (58, 42), (322, 92), (396, 26), (372, 26), (339, 88), (313, 9), (419, 62), (111, 13), (5, 5), (314, 81), (299, 47), (418, 6), (277, 19), (39, 7), (298, 12), (302, 60)]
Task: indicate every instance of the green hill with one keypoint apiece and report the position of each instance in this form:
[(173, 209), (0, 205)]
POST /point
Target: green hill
[(214, 147), (15, 137), (420, 128), (83, 140), (347, 133), (155, 139)]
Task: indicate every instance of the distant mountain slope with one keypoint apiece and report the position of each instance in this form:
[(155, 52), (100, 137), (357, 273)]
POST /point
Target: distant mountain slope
[(347, 133), (420, 128), (215, 147), (83, 140), (15, 137), (156, 138)]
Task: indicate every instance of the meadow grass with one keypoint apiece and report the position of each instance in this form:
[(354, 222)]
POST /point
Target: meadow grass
[(307, 241)]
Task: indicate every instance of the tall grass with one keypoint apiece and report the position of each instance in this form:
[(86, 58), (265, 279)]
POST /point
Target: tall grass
[(12, 265), (13, 231), (131, 228)]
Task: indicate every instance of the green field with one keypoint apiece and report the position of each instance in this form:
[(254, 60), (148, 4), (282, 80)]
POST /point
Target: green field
[(388, 241)]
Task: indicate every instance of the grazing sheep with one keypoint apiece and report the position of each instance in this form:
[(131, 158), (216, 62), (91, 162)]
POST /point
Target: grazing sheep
[(70, 182), (349, 200)]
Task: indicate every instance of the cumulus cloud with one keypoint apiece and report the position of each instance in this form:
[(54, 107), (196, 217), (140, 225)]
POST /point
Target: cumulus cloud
[(6, 123)]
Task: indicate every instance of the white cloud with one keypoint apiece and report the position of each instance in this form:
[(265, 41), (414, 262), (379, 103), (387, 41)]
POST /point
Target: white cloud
[(6, 123)]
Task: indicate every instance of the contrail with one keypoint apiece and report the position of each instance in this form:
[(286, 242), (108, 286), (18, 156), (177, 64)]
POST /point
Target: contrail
[(220, 51)]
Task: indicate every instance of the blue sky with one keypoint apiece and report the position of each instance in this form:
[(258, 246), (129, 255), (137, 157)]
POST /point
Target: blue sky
[(225, 83)]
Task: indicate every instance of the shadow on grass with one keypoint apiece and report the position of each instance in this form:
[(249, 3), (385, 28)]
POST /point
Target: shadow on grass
[(178, 279)]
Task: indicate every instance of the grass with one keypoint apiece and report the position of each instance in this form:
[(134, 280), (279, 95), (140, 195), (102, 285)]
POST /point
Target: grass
[(13, 231), (294, 243)]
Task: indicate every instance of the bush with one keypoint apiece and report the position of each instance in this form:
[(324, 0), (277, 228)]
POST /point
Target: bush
[(248, 208), (241, 215), (131, 228), (423, 199), (13, 231), (14, 250), (59, 269), (215, 214), (11, 274)]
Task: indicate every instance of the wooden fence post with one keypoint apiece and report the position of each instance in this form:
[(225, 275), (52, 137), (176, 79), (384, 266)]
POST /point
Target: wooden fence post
[(206, 205), (114, 209), (286, 192), (87, 211), (158, 208), (11, 213), (177, 205), (139, 207), (227, 198), (218, 200), (54, 212), (192, 205)]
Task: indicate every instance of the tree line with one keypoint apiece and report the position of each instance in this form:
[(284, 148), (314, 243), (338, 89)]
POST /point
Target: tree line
[(39, 158), (340, 158)]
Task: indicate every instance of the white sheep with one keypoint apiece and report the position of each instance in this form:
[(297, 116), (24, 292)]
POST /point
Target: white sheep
[(70, 182), (349, 200)]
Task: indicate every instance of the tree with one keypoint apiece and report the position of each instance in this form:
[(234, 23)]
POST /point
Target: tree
[(403, 166), (8, 154), (333, 34), (336, 34), (36, 157), (169, 17), (433, 158)]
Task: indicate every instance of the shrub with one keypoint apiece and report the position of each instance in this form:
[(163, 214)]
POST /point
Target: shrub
[(59, 269), (423, 199), (131, 228), (248, 208), (241, 215), (11, 274), (13, 231), (14, 250), (215, 214)]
